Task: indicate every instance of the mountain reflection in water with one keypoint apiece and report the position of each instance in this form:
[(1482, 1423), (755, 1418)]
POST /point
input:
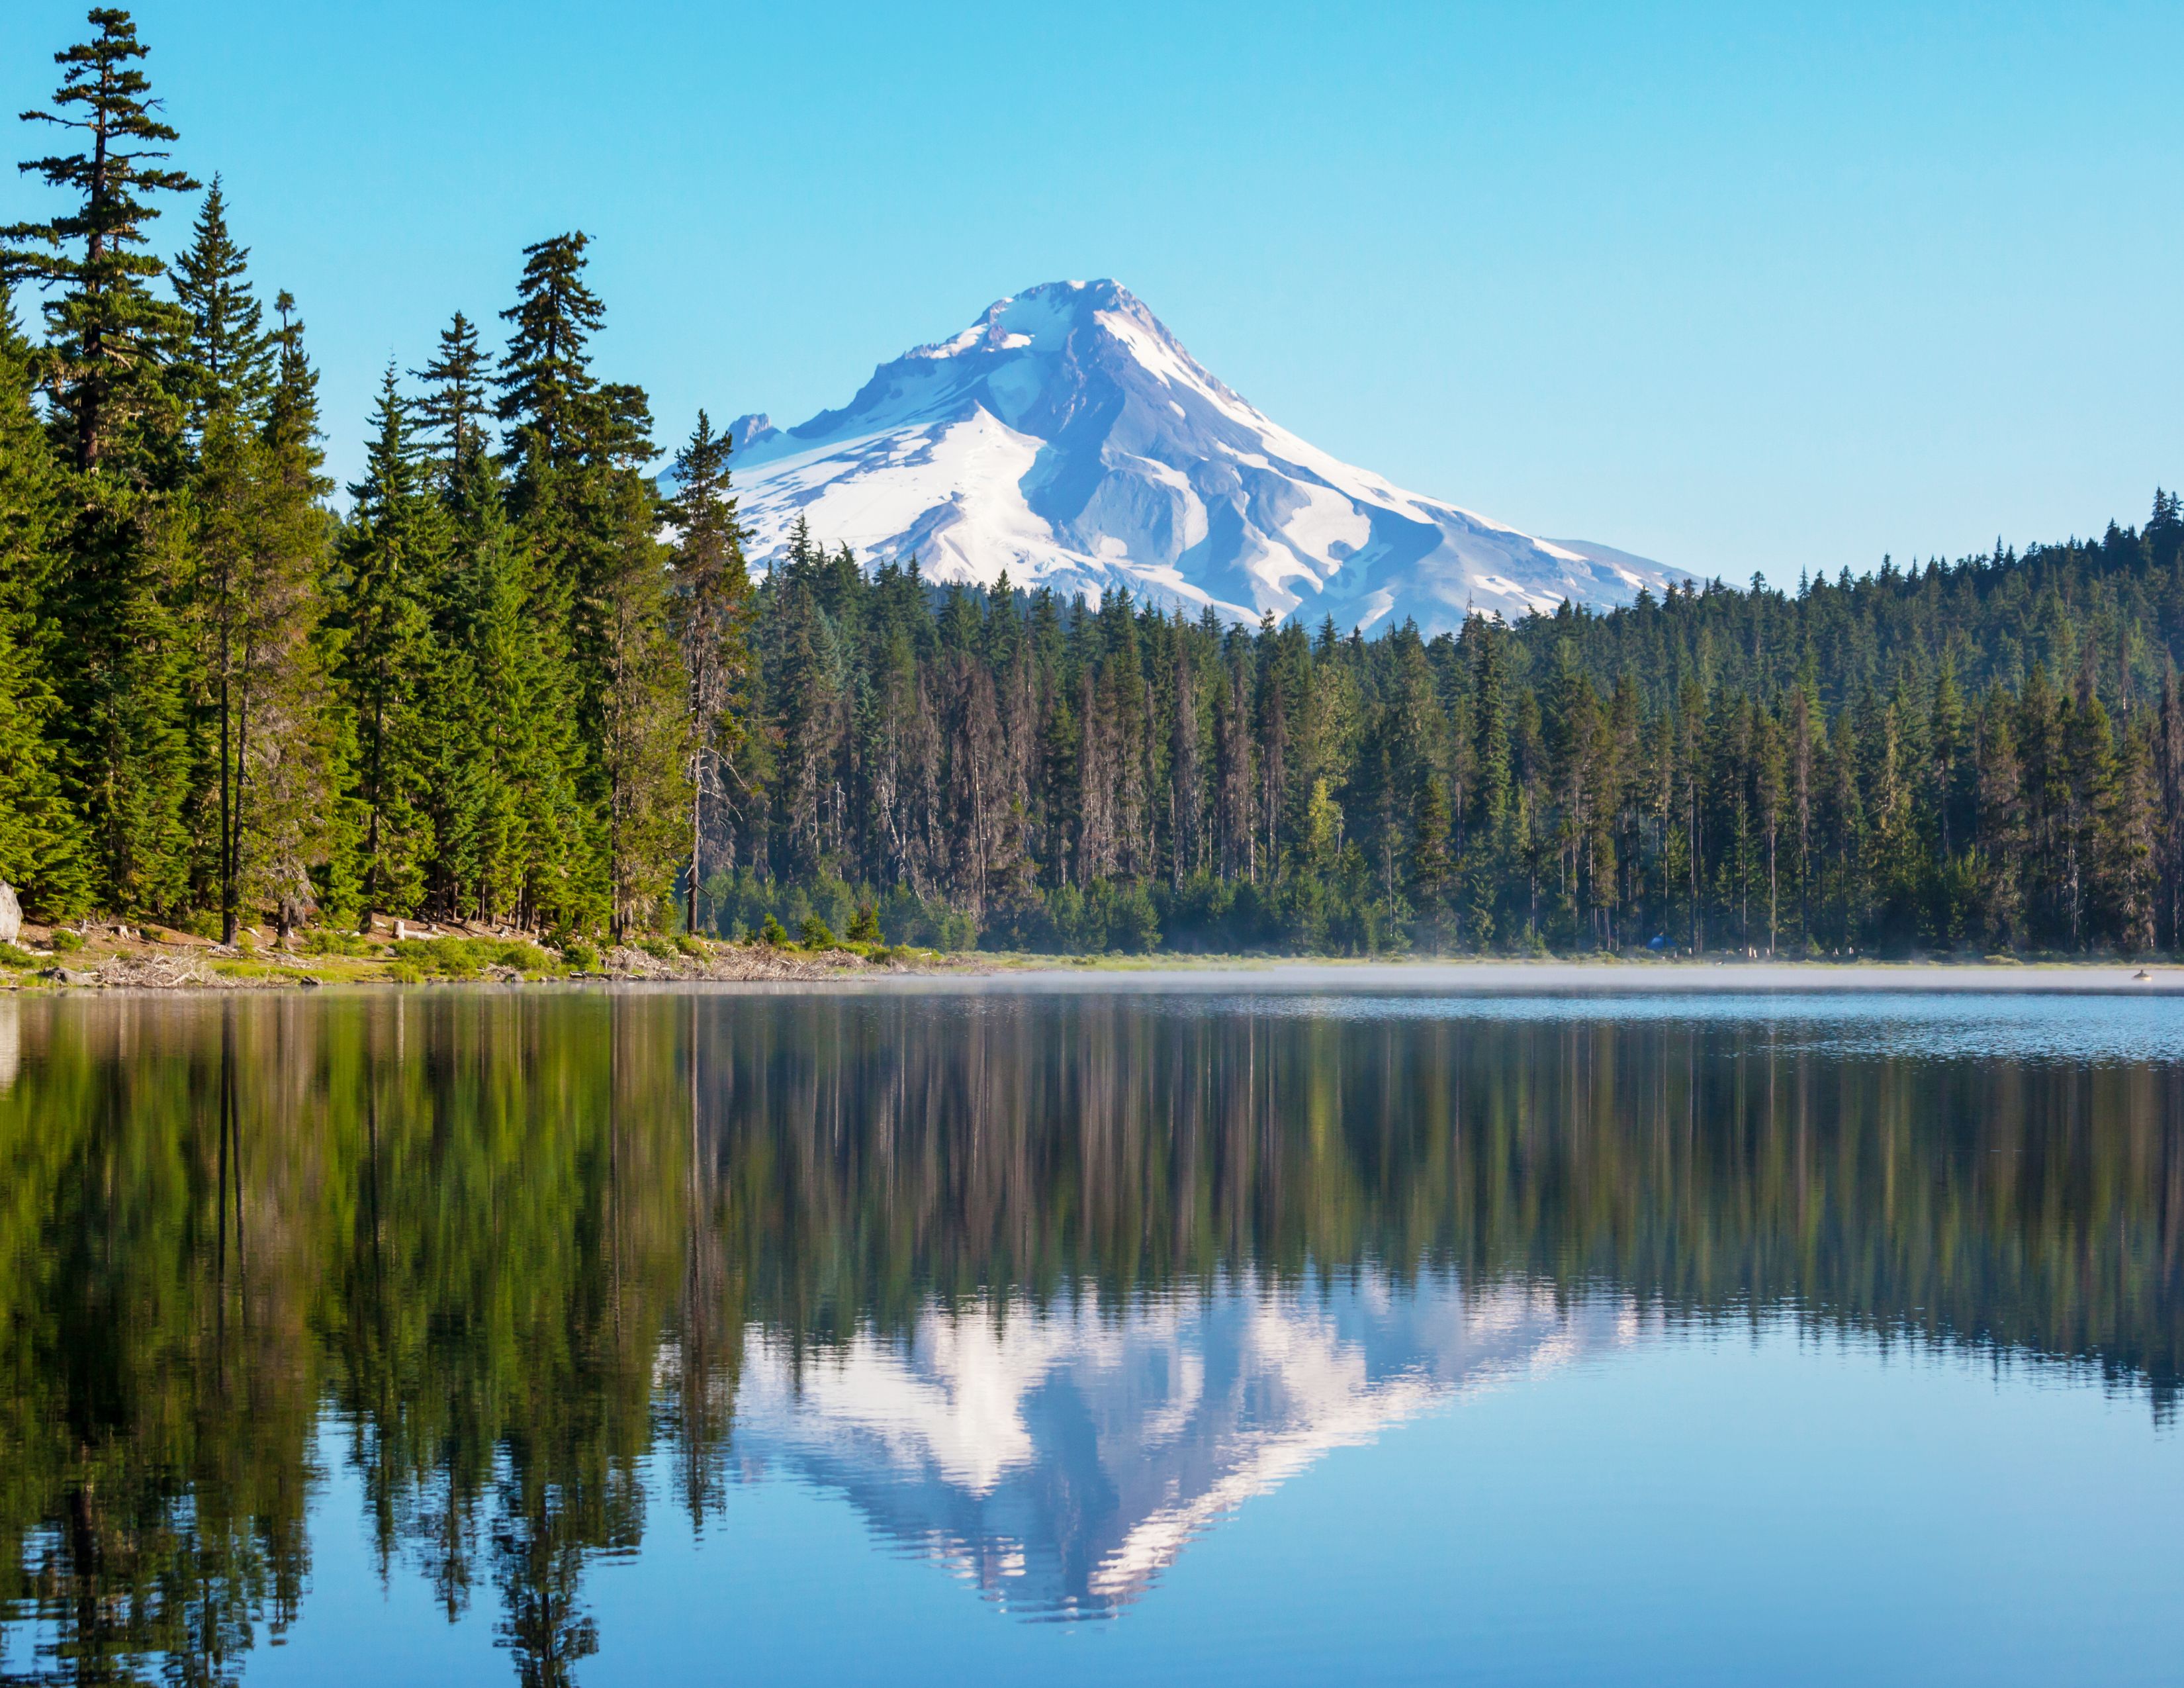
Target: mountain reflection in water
[(1060, 1457), (1043, 1285)]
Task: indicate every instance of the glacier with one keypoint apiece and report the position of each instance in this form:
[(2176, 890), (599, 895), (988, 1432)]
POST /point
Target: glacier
[(1068, 439)]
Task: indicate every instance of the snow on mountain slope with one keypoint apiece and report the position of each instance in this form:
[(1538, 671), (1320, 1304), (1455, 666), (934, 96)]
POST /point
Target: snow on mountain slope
[(1067, 439)]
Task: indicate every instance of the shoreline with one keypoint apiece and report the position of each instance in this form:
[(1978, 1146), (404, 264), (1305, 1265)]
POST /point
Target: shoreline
[(167, 966)]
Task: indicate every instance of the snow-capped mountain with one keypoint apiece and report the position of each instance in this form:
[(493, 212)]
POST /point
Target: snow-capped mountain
[(1066, 437)]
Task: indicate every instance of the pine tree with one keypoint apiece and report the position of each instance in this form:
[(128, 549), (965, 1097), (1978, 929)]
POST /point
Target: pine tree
[(119, 657), (224, 363), (643, 713), (102, 362), (125, 685), (2128, 825), (255, 540), (390, 559), (2000, 830), (1430, 858), (451, 416), (547, 389), (42, 842), (712, 613), (2168, 779)]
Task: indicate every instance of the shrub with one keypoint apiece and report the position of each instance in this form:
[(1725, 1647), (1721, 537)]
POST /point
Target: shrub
[(773, 933), (432, 957), (462, 958), (815, 935), (66, 941), (524, 957), (578, 956), (10, 956), (658, 949), (865, 925), (327, 940), (690, 946)]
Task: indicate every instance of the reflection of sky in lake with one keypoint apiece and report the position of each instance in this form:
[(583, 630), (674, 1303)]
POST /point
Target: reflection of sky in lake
[(2077, 1028)]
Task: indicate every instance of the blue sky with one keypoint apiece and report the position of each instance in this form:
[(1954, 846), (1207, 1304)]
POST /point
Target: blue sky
[(1739, 287)]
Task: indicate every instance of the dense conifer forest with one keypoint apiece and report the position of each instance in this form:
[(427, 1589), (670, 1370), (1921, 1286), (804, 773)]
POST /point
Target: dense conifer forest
[(511, 684)]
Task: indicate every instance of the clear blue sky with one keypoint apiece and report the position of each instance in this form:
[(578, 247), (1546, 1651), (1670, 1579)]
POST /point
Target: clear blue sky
[(1737, 286)]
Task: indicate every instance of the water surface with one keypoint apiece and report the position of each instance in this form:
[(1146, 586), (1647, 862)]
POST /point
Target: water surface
[(1231, 1332)]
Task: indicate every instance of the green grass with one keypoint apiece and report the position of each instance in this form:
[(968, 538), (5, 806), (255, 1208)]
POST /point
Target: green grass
[(13, 956), (464, 958)]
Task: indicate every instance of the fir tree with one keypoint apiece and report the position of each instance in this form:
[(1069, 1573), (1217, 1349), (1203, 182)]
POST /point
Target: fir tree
[(389, 561), (101, 362), (451, 416), (226, 362), (1430, 859), (42, 842), (712, 612), (547, 390)]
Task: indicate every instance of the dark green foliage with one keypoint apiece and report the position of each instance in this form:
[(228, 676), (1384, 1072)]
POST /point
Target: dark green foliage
[(225, 364), (1887, 765), (711, 613), (101, 362), (390, 557), (42, 844), (452, 414)]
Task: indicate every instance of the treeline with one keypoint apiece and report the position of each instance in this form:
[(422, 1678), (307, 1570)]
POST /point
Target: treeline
[(513, 685), (1983, 756)]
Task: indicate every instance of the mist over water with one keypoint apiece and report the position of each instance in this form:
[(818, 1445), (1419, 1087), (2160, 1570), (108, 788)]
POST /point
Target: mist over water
[(564, 1324)]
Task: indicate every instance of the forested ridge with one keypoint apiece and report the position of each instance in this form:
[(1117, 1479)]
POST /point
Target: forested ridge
[(512, 685)]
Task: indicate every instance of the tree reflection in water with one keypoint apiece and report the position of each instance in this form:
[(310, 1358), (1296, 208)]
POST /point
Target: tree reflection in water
[(1041, 1283)]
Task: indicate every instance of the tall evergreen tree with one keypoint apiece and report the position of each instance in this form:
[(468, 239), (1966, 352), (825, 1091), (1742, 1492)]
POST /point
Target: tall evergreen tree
[(389, 559), (547, 402), (116, 603), (41, 843), (712, 613), (226, 362), (452, 414), (101, 362)]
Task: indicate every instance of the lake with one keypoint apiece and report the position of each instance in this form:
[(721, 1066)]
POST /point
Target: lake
[(1253, 1329)]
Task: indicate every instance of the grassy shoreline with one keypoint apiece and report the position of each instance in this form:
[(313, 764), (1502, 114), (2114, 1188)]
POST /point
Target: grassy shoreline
[(151, 958)]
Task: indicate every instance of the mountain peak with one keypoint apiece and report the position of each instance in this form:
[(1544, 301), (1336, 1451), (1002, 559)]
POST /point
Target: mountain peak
[(1066, 437), (1037, 316)]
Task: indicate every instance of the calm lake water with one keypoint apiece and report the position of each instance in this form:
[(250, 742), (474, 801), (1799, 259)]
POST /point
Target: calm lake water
[(1185, 1335)]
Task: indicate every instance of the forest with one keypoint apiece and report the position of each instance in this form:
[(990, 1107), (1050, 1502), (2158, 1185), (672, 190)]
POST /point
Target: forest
[(518, 680)]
